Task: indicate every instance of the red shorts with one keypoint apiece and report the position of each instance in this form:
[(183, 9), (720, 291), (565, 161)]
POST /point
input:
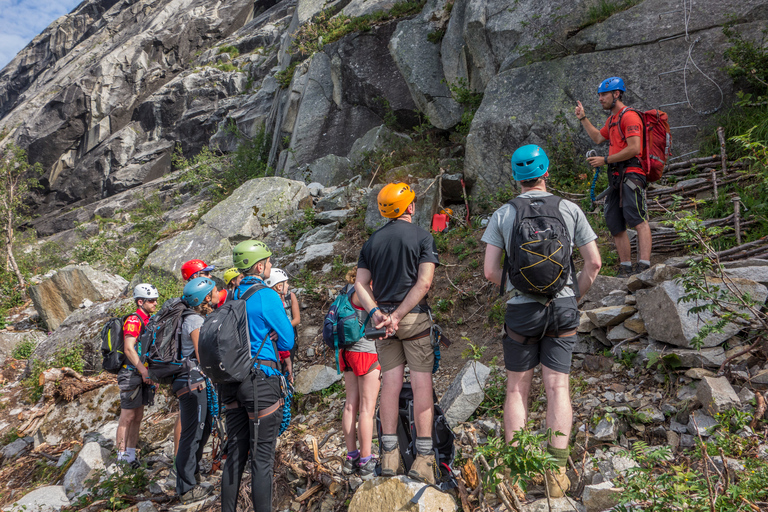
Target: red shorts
[(361, 363)]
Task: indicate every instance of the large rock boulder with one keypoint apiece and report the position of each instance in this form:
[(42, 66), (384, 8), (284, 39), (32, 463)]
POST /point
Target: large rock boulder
[(668, 319), (50, 498), (395, 493), (348, 89), (545, 91), (716, 395), (418, 60), (465, 393), (56, 297), (89, 461), (253, 210), (316, 378)]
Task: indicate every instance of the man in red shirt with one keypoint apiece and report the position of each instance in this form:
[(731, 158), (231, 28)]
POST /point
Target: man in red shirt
[(136, 388), (625, 203)]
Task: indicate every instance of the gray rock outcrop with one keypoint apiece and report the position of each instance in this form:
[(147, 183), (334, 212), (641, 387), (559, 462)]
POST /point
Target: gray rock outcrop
[(395, 493), (91, 458), (672, 321), (465, 393), (50, 498), (316, 378), (63, 293)]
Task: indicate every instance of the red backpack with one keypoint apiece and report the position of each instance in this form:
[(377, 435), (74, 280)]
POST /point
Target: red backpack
[(657, 141)]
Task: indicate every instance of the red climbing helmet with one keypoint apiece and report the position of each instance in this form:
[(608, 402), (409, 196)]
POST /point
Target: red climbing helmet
[(192, 267)]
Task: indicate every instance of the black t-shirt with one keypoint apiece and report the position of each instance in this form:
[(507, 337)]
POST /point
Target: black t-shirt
[(393, 255)]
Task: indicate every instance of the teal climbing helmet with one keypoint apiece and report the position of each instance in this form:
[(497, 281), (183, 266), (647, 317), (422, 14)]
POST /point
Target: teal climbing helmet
[(611, 84), (529, 162), (197, 290)]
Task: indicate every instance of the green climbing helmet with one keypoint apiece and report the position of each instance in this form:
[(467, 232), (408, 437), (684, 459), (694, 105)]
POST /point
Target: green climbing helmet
[(247, 254)]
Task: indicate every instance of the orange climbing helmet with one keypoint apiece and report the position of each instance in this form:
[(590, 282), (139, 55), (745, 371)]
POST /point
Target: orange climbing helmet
[(394, 198)]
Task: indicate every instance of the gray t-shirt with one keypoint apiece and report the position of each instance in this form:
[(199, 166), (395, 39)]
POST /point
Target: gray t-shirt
[(191, 323), (500, 226)]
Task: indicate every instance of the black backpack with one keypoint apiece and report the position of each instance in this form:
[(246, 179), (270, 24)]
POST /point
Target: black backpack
[(224, 345), (162, 339), (539, 260), (442, 439), (112, 343)]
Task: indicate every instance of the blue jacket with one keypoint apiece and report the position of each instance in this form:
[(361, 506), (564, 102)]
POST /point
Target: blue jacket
[(266, 313)]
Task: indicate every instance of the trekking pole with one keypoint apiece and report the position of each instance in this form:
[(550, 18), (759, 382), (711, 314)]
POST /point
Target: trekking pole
[(466, 203)]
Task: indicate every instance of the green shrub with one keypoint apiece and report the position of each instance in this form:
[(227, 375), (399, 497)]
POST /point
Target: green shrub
[(285, 76), (24, 349), (231, 50), (604, 9)]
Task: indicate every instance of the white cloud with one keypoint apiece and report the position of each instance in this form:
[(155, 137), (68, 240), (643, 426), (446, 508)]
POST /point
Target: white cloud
[(22, 20)]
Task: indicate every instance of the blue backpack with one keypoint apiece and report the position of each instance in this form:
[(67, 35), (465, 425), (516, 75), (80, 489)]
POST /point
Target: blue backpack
[(342, 326)]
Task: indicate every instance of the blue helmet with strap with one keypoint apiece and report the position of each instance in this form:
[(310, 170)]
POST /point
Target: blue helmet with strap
[(197, 290), (612, 84), (529, 162)]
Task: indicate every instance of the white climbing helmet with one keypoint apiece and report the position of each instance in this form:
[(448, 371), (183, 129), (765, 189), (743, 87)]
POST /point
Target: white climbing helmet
[(276, 275), (145, 291)]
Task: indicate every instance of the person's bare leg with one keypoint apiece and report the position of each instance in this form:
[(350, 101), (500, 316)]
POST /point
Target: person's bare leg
[(123, 428), (368, 386), (389, 405), (623, 247), (516, 402), (349, 416), (644, 241), (421, 384), (133, 431), (559, 411)]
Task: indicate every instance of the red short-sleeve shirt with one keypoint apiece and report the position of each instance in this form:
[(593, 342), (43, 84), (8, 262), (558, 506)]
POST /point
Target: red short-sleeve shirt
[(631, 126), (132, 326)]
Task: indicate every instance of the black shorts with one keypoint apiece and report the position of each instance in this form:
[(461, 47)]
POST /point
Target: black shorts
[(531, 320), (632, 211), (133, 392)]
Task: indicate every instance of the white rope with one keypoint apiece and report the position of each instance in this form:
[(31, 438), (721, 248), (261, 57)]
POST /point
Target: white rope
[(687, 10)]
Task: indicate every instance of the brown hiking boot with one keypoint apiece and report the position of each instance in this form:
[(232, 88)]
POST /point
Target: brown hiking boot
[(390, 462), (423, 469), (558, 483)]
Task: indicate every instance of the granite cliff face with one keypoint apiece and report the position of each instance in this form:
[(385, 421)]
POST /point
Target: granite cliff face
[(104, 94)]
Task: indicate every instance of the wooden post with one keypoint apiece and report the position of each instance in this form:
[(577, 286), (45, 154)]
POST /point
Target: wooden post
[(714, 183), (723, 155), (736, 220)]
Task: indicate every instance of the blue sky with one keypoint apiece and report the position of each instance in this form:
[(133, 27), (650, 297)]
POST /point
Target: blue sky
[(22, 20)]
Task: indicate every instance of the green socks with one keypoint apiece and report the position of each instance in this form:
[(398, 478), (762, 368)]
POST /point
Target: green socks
[(560, 455)]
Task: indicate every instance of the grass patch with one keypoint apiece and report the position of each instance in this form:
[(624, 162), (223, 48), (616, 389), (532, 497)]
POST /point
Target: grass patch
[(285, 76), (604, 9), (24, 349), (328, 27), (231, 50)]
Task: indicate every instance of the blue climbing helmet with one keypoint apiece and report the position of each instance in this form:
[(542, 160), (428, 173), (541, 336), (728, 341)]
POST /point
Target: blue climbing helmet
[(529, 162), (197, 290), (612, 84)]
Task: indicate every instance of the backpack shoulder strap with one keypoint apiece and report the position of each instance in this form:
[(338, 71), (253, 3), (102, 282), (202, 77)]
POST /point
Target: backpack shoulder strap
[(252, 290)]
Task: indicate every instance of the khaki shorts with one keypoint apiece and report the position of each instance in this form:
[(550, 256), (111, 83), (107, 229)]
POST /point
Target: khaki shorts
[(417, 353)]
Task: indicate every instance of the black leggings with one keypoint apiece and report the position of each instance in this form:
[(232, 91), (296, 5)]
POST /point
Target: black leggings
[(195, 430), (239, 436)]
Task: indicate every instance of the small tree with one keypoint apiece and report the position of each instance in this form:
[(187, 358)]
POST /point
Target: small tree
[(17, 178)]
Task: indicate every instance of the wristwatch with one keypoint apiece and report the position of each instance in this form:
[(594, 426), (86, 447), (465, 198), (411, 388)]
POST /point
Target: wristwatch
[(606, 160)]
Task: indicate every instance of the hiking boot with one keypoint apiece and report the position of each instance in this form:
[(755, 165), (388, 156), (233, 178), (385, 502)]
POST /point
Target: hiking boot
[(640, 267), (135, 464), (197, 493), (390, 462), (624, 271), (198, 477), (558, 483), (423, 469), (367, 469), (350, 465)]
